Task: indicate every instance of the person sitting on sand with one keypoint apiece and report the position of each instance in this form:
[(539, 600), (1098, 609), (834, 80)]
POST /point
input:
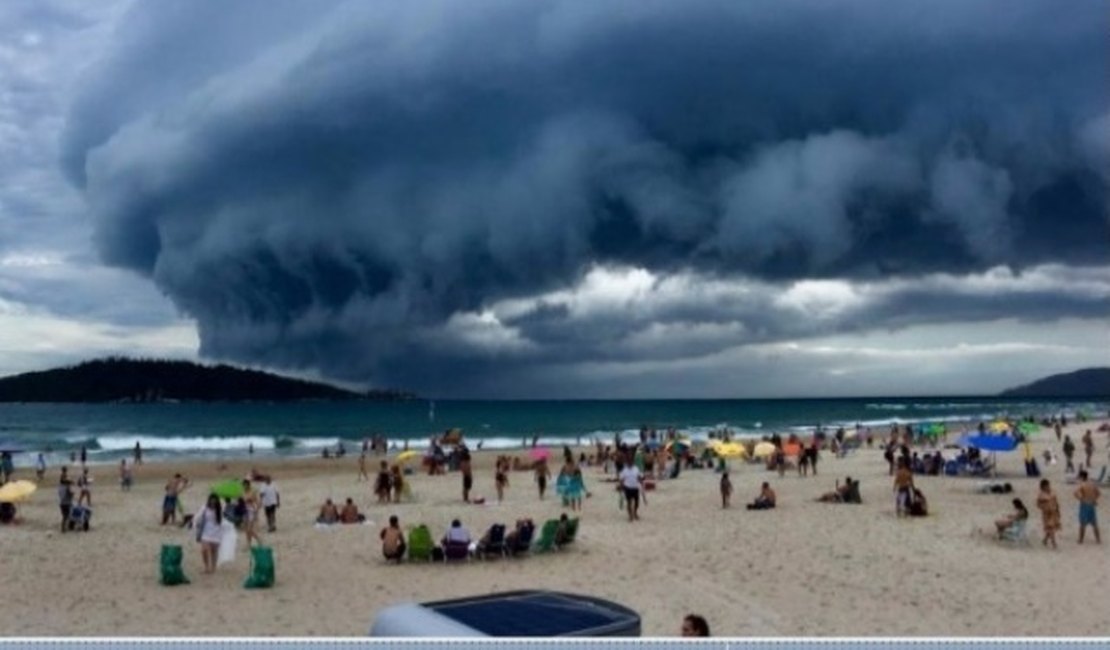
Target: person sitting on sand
[(329, 514), (1019, 514), (456, 534), (350, 513), (766, 499), (512, 538), (393, 540), (562, 531), (840, 494)]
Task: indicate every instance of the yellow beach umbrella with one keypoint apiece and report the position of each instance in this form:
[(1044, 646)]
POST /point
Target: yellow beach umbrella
[(730, 450), (16, 491), (406, 456), (1000, 426), (763, 450)]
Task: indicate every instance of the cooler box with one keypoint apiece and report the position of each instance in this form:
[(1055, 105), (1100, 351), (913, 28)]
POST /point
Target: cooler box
[(531, 613)]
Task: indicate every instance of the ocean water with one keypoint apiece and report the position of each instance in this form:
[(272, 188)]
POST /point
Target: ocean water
[(206, 430)]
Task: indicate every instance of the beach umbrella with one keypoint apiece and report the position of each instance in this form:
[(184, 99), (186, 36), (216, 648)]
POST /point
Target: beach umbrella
[(678, 446), (231, 488), (406, 456), (10, 447), (730, 450), (763, 450), (934, 430), (792, 449), (999, 426), (1028, 428), (16, 491), (539, 453), (990, 443)]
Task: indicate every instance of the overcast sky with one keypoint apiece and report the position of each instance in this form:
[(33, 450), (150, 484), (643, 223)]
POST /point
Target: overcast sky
[(707, 198)]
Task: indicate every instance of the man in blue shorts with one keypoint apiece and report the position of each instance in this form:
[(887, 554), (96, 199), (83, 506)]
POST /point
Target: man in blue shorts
[(1088, 494)]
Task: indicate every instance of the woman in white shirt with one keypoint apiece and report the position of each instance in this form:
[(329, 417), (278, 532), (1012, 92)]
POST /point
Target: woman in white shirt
[(210, 532)]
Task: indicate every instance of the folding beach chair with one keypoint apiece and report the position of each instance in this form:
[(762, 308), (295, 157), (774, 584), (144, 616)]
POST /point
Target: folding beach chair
[(495, 544), (1016, 533), (572, 531), (546, 542), (420, 543)]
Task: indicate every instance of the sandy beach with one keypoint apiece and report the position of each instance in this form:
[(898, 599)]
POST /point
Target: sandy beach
[(804, 569)]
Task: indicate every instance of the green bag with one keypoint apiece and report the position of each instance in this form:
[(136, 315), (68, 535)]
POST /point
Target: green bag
[(262, 568), (172, 573)]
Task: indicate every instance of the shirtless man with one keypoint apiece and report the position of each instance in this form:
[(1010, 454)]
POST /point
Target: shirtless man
[(169, 502), (393, 540), (1088, 494)]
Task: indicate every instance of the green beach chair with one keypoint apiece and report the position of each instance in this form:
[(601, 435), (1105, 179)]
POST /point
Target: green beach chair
[(546, 542), (420, 543), (572, 530), (172, 573), (262, 568)]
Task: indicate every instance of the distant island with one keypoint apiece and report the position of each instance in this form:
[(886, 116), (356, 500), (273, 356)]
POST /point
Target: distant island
[(145, 380), (1089, 382)]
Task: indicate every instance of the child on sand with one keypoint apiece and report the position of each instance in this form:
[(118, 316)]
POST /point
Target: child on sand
[(1050, 513)]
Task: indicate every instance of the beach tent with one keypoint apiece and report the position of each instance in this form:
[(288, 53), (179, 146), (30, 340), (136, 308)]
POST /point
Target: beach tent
[(763, 450), (530, 613)]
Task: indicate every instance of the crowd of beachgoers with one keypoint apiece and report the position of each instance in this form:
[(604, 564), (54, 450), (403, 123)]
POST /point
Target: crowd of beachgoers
[(408, 490)]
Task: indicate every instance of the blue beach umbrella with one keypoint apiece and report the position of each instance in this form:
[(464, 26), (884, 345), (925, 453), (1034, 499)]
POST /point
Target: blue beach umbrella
[(990, 443)]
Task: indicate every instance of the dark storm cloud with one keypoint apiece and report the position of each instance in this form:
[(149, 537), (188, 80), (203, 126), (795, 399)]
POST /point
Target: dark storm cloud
[(330, 185)]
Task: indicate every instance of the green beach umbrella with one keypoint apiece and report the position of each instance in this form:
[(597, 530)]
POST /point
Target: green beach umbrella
[(934, 430), (1028, 427), (228, 489)]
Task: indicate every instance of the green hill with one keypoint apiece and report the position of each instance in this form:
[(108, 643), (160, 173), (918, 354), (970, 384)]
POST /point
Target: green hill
[(1089, 382), (132, 380)]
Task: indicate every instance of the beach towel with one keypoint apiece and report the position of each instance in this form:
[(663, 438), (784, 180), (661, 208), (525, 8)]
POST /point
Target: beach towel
[(262, 568), (228, 542), (172, 573)]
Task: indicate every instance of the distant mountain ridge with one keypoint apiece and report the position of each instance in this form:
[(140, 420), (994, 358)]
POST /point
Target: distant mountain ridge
[(1089, 382), (145, 380)]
